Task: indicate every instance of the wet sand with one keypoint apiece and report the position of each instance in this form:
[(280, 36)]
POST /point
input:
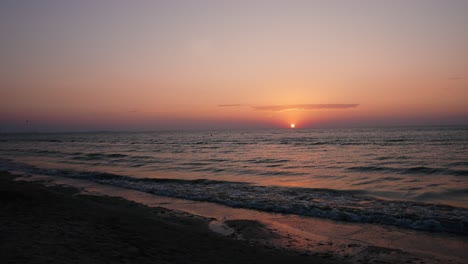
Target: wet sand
[(56, 224), (243, 234)]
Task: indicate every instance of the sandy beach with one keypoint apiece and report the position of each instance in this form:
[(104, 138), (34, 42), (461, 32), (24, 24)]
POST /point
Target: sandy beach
[(40, 224), (61, 220)]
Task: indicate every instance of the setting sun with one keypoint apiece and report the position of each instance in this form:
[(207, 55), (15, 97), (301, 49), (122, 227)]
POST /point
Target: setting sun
[(293, 125)]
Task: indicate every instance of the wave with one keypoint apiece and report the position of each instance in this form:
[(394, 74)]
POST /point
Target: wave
[(392, 158), (111, 155), (46, 152), (324, 203), (331, 204), (217, 160), (396, 140), (411, 170), (268, 161), (302, 141), (98, 156), (459, 163)]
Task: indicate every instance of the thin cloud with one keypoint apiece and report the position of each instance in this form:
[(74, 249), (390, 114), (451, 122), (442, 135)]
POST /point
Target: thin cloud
[(230, 105), (281, 108), (278, 108)]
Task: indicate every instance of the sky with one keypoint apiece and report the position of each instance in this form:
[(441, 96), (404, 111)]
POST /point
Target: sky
[(150, 65)]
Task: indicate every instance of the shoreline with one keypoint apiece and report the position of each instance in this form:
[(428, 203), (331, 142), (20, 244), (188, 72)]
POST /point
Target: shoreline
[(340, 205), (57, 224), (280, 234)]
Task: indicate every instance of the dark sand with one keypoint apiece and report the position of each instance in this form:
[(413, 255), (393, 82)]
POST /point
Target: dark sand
[(40, 224)]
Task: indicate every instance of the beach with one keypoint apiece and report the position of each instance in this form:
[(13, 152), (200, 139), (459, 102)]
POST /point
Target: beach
[(45, 220), (54, 224)]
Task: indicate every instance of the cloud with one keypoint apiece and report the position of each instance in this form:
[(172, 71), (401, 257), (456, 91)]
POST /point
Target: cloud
[(281, 108), (230, 105), (278, 108)]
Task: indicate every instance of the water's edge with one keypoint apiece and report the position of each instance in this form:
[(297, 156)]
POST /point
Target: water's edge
[(330, 204)]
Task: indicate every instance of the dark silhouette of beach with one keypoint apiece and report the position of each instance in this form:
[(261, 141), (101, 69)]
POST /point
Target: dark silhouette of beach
[(40, 224)]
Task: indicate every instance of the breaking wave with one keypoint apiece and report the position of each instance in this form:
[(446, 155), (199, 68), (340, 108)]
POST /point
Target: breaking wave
[(324, 203)]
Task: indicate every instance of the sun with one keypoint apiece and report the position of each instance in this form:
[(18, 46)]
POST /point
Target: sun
[(293, 125)]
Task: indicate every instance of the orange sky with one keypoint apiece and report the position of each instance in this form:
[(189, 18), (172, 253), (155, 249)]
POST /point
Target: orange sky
[(138, 65)]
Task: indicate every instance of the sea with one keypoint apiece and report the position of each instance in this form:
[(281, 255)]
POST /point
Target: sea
[(411, 177)]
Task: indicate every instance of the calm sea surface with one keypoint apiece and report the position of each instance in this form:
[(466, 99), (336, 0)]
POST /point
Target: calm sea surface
[(411, 177)]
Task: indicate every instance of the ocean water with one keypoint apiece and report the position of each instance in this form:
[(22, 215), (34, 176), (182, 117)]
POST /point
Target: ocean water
[(413, 177)]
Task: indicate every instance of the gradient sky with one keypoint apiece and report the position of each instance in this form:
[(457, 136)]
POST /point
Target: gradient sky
[(139, 65)]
